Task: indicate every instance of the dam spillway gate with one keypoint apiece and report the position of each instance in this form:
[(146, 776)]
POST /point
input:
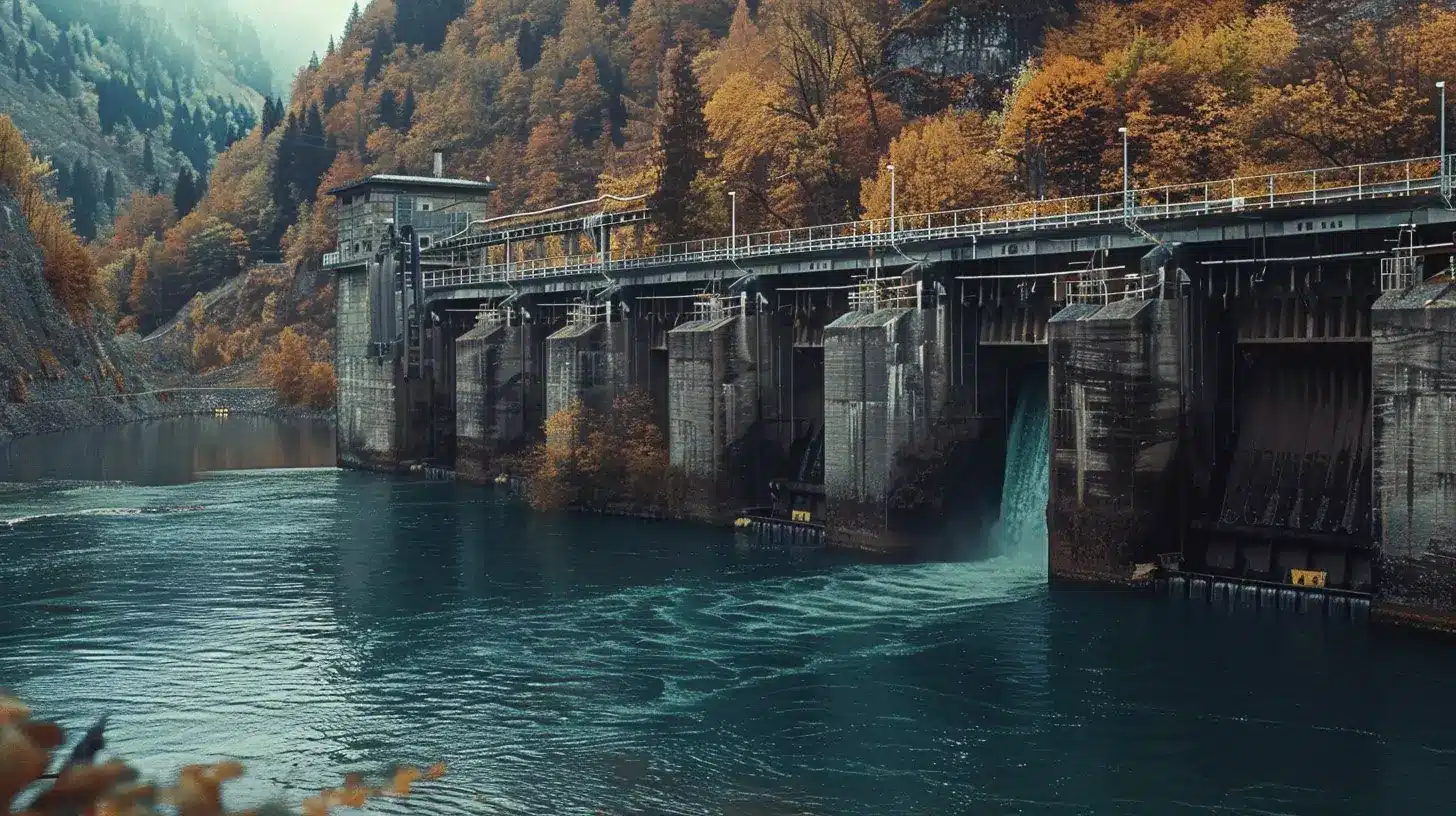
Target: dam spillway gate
[(1258, 390)]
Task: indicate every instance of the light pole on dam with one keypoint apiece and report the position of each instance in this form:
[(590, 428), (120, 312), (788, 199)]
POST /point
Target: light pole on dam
[(1235, 380)]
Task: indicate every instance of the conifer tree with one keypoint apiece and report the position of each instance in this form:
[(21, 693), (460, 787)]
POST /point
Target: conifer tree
[(18, 13), (149, 158), (330, 52), (108, 190), (389, 109), (351, 23), (186, 194), (377, 52), (407, 111), (681, 133)]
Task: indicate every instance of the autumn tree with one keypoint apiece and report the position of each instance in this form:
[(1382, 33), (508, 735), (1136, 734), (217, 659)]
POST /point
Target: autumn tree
[(1067, 116), (944, 162), (682, 132), (69, 268)]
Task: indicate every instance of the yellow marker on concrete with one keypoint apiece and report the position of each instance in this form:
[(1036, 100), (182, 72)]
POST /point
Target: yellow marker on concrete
[(1308, 578), (802, 515)]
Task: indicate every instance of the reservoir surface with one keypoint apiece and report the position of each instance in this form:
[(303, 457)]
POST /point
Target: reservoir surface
[(219, 590)]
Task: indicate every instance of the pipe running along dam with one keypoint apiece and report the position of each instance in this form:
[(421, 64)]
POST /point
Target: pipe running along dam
[(1249, 384)]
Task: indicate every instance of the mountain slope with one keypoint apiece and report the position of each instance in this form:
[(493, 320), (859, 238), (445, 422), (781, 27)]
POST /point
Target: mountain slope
[(127, 89)]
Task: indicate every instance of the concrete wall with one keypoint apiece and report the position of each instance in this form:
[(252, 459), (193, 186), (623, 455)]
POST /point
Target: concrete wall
[(1115, 421), (713, 407), (594, 362), (1414, 365), (496, 408), (884, 386), (369, 408)]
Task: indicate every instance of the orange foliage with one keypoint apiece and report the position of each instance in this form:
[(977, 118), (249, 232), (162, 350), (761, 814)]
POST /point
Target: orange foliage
[(1063, 122), (289, 368), (69, 268), (141, 217), (590, 459), (110, 788)]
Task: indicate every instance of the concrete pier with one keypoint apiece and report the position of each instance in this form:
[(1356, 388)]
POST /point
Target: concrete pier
[(1115, 421), (884, 386), (1414, 365), (713, 407), (592, 362), (498, 396), (371, 412)]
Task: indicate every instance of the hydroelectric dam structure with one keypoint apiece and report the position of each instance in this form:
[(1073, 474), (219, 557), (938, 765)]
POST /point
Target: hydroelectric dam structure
[(1250, 382)]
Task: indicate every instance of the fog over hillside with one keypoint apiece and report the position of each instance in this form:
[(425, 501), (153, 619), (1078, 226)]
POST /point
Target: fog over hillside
[(294, 29)]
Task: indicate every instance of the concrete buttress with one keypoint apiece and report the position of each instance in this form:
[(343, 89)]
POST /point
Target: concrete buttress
[(884, 387), (1414, 366), (1115, 427), (370, 397), (497, 401), (713, 408)]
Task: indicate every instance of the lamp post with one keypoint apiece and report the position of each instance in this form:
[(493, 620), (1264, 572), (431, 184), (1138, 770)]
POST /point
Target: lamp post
[(1445, 168), (733, 223), (891, 168), (1126, 177)]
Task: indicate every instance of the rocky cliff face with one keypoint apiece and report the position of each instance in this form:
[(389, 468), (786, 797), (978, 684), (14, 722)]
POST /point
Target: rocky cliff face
[(55, 373)]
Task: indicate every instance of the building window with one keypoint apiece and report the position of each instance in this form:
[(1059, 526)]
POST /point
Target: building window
[(368, 246), (424, 242), (348, 200), (356, 247), (424, 206)]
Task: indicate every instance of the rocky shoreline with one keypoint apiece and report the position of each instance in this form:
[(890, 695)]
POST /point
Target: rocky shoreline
[(51, 416)]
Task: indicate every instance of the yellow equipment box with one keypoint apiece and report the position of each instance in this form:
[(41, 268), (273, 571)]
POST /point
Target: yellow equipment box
[(802, 515), (1307, 578)]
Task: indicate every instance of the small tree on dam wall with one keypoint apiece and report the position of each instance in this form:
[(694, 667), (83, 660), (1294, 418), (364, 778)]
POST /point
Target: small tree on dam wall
[(594, 460)]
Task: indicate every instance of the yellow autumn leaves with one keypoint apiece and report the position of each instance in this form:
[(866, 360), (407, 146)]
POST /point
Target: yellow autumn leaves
[(111, 789)]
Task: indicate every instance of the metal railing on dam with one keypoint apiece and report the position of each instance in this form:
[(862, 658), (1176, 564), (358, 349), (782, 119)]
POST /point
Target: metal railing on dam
[(1380, 180)]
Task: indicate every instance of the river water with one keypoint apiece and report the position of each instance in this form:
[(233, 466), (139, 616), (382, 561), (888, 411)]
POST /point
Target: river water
[(313, 622)]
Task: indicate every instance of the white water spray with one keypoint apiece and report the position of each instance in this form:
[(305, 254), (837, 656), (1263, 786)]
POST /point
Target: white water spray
[(1021, 531)]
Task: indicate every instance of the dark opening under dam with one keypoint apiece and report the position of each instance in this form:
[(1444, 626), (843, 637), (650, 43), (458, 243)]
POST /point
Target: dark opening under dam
[(1250, 398)]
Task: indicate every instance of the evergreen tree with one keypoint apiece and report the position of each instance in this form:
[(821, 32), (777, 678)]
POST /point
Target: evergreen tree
[(331, 45), (272, 116), (149, 159), (156, 186), (108, 190), (349, 24), (313, 62), (377, 52), (682, 131), (22, 61), (18, 13), (85, 199), (424, 22), (407, 112), (528, 46), (388, 109), (186, 194)]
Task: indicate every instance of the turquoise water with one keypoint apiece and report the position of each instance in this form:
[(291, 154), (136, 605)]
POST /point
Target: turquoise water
[(313, 622)]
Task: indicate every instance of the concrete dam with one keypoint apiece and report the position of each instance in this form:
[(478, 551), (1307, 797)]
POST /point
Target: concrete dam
[(1248, 384)]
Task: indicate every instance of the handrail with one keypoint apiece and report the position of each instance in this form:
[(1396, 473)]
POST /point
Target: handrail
[(1248, 193)]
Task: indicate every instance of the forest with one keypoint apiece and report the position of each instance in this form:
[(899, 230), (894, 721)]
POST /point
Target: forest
[(795, 105)]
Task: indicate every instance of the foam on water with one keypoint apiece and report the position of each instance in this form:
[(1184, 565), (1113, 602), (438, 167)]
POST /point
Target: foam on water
[(1021, 532)]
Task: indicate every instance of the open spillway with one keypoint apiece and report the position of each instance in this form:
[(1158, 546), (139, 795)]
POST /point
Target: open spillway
[(1021, 530)]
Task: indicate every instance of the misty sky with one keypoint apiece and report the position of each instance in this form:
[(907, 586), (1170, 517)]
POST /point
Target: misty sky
[(293, 29)]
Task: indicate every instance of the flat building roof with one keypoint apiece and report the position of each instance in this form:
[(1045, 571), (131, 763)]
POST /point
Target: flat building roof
[(416, 184)]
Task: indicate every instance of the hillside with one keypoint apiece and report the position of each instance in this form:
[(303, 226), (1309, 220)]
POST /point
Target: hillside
[(121, 94), (796, 105)]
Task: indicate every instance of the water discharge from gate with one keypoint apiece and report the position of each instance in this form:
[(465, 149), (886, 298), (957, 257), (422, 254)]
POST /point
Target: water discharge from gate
[(1020, 532)]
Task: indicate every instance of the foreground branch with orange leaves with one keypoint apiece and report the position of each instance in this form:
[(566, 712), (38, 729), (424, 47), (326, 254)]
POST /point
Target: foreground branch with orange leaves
[(111, 788)]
